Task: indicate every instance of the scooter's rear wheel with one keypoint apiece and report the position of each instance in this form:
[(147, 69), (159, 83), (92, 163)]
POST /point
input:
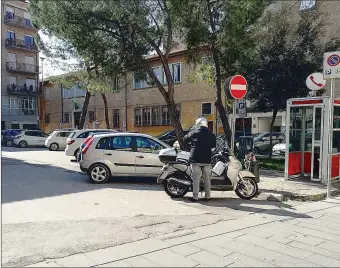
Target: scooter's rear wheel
[(247, 188), (175, 191)]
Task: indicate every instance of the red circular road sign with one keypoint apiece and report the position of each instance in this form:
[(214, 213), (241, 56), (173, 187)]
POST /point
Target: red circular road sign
[(238, 87)]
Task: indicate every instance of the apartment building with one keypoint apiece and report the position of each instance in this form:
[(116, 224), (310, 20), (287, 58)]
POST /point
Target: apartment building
[(133, 104), (19, 68)]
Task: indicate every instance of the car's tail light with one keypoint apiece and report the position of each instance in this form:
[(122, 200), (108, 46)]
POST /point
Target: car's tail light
[(86, 140), (70, 142), (87, 146)]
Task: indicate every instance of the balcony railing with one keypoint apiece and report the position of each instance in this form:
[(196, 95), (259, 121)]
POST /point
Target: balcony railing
[(15, 20), (22, 67), (20, 44), (23, 90)]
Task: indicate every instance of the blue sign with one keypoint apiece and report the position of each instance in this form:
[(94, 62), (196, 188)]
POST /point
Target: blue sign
[(333, 60)]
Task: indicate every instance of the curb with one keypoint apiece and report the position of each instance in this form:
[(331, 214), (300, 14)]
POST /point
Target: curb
[(285, 196)]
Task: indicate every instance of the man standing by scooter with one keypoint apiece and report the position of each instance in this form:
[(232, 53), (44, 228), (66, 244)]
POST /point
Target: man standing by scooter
[(202, 141)]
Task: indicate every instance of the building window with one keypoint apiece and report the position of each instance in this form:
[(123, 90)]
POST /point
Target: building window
[(159, 73), (67, 118), (10, 12), (29, 105), (138, 117), (307, 5), (12, 80), (178, 111), (175, 69), (11, 35), (138, 82), (47, 118), (116, 122), (92, 116), (176, 72), (206, 108), (156, 116), (29, 40), (27, 18), (165, 116), (10, 105), (146, 116), (115, 86), (73, 92), (31, 84)]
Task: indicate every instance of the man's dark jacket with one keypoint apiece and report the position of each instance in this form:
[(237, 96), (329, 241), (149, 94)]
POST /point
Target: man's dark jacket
[(202, 141)]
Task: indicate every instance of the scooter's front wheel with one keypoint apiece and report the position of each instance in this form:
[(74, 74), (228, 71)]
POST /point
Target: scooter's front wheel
[(173, 190), (247, 188)]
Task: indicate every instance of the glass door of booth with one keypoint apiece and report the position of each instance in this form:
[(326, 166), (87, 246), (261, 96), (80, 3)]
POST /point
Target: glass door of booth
[(317, 143), (305, 146)]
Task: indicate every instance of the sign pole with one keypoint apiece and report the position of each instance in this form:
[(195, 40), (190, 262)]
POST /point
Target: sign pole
[(331, 112), (233, 127)]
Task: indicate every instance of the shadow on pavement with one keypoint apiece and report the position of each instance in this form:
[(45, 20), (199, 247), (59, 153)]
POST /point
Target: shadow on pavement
[(27, 181), (252, 206), (17, 149)]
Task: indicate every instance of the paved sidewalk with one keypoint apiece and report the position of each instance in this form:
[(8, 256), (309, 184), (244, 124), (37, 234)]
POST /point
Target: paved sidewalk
[(309, 237), (273, 186)]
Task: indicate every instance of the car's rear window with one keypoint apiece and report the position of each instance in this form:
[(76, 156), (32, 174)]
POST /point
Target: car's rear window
[(102, 143), (72, 134)]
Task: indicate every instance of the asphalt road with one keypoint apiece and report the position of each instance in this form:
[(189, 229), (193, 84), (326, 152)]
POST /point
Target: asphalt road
[(51, 210)]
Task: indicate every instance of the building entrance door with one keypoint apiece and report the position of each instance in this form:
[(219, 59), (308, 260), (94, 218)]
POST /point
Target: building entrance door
[(76, 119)]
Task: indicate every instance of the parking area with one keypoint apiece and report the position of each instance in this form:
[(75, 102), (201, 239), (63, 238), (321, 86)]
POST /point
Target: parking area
[(50, 209)]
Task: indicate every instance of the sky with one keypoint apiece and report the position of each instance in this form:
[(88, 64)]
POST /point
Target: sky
[(52, 66)]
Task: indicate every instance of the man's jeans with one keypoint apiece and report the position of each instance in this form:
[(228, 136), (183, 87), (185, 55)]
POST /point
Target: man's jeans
[(201, 171)]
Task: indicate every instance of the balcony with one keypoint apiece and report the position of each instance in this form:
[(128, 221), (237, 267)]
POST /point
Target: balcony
[(14, 20), (14, 89), (20, 45), (20, 67)]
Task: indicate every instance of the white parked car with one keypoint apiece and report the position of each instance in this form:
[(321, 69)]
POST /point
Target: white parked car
[(127, 154), (76, 138), (279, 149), (30, 138), (57, 139)]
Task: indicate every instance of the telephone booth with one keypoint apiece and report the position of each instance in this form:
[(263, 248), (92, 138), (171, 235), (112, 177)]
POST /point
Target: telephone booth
[(307, 139)]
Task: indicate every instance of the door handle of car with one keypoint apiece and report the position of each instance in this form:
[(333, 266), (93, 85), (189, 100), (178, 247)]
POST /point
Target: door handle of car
[(140, 156), (108, 154)]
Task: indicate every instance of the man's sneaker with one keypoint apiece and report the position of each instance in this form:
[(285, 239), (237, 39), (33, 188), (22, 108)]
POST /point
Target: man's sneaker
[(194, 200)]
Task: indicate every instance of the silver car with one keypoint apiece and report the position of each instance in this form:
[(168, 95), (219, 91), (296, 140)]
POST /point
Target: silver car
[(121, 154)]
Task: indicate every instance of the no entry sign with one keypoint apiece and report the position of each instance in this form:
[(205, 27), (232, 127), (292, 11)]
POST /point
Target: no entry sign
[(238, 87)]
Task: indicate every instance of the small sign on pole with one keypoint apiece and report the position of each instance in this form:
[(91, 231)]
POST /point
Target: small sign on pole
[(242, 109), (315, 81), (331, 65)]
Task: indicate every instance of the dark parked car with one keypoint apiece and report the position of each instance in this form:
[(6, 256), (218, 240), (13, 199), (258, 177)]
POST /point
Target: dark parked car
[(8, 135), (169, 137), (262, 140)]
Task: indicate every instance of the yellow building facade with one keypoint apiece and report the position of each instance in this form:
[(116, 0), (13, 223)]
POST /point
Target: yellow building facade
[(132, 104)]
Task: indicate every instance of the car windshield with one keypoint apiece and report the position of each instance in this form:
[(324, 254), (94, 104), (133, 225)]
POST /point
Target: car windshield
[(164, 134)]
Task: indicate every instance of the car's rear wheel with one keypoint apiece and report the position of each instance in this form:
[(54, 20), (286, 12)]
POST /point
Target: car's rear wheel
[(76, 152), (23, 144), (99, 173), (54, 147), (9, 143)]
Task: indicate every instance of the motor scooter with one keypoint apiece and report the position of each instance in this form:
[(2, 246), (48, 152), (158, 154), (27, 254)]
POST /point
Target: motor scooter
[(226, 174)]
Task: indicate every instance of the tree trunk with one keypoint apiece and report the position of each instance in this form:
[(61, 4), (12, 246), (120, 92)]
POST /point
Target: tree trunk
[(106, 111), (218, 77), (271, 131), (84, 110)]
